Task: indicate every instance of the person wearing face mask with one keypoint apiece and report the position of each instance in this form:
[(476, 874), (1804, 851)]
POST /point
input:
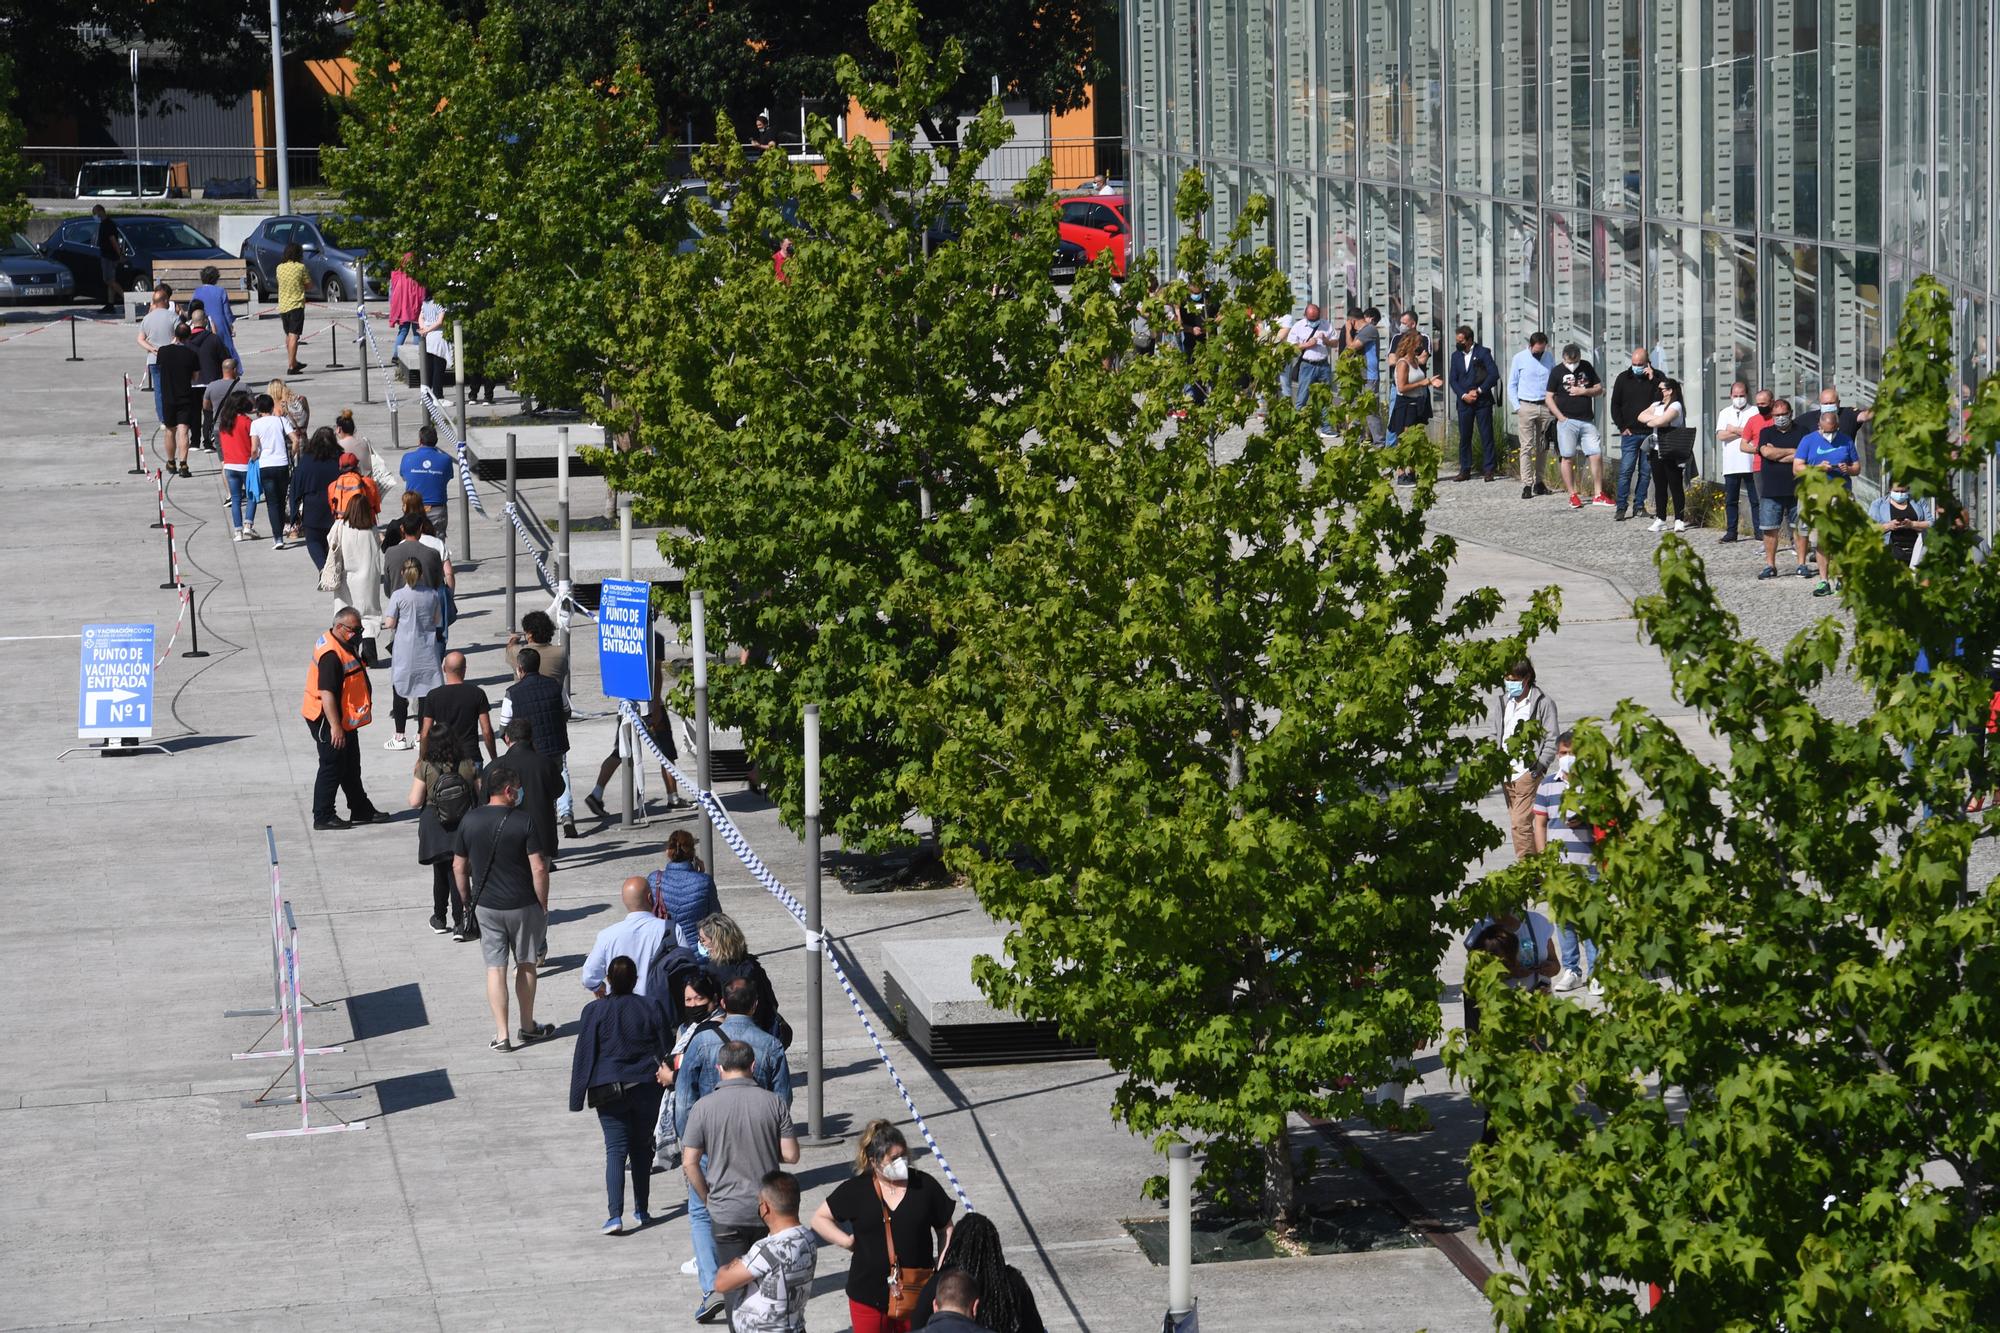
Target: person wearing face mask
[(1574, 389), (700, 1010), (1521, 705), (1903, 519), (338, 703), (1832, 454), (893, 1221), (1739, 468), (617, 1070), (1636, 389), (1475, 377), (736, 1138), (502, 874), (1570, 833), (1777, 489)]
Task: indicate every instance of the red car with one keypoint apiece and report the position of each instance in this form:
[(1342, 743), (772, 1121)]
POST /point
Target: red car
[(1096, 223)]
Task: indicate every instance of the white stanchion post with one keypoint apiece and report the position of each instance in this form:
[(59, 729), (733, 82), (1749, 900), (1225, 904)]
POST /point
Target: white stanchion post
[(1180, 1230), (698, 623), (303, 1094), (562, 527), (815, 1015), (279, 1008)]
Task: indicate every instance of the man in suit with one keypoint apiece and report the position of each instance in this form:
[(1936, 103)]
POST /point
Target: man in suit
[(1475, 378)]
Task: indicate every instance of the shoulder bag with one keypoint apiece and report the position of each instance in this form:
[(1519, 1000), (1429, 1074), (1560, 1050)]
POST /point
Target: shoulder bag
[(335, 569), (905, 1284), (479, 885)]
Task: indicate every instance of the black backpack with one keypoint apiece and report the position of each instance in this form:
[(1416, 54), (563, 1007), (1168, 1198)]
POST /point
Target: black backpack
[(451, 796)]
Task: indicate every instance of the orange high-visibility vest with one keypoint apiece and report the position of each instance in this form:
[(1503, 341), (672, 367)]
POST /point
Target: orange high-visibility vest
[(346, 486), (357, 701)]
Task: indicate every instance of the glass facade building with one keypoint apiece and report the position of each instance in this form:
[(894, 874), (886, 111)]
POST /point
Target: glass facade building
[(1747, 187)]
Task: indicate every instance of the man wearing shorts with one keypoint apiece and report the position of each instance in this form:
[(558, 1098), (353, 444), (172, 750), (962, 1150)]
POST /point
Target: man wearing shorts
[(1777, 490), (1574, 388), (176, 367), (503, 877)]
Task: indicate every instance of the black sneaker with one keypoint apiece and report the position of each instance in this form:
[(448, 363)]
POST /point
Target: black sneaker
[(1540, 489), (1527, 492), (569, 830), (438, 926), (372, 817), (596, 806), (329, 825), (466, 933)]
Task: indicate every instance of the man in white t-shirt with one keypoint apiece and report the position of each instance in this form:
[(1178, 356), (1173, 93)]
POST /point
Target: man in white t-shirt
[(770, 1284), (1309, 340), (1739, 469), (271, 433)]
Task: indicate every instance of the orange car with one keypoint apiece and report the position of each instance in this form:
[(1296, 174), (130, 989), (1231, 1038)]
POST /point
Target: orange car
[(1096, 223)]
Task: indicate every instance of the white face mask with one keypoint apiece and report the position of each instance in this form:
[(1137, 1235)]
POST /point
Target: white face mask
[(1739, 402), (896, 1170), (1564, 762)]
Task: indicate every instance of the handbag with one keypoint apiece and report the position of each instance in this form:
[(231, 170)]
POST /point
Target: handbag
[(905, 1284), (603, 1094), (335, 569)]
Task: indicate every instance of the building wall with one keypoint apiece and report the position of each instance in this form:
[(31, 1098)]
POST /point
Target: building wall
[(1746, 186)]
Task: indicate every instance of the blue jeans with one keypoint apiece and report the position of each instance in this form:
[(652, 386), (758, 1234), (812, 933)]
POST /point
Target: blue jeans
[(1633, 473), (628, 1142), (565, 808), (276, 483), (403, 331), (1570, 951), (238, 493), (1744, 483), (1309, 374), (702, 1231)]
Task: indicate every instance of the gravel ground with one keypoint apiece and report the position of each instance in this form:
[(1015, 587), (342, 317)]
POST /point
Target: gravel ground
[(1587, 541)]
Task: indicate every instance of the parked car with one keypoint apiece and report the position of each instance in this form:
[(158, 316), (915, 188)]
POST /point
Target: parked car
[(123, 178), (142, 238), (332, 273), (25, 275), (1095, 224)]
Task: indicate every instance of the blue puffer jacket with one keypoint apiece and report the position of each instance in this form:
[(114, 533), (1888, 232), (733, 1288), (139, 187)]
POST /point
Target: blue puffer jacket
[(687, 895)]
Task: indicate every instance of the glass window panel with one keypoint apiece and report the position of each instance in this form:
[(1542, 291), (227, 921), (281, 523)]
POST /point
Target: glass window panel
[(1469, 96), (1298, 238), (1470, 255), (1675, 259), (1222, 76), (1572, 287), (1334, 85), (1179, 18), (1964, 62), (1424, 244), (1148, 112), (1256, 75), (1730, 266), (1518, 260), (1424, 91), (1704, 89), (1340, 246), (1850, 106), (1851, 341), (1297, 49), (1906, 185), (1790, 105), (1618, 261), (1791, 281), (1616, 160), (1381, 278), (1380, 77), (1567, 113)]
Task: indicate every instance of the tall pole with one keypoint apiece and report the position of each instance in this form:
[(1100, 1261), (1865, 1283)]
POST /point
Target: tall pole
[(282, 137), (138, 168), (464, 505), (699, 623), (630, 751), (815, 1026), (1180, 1230), (513, 537), (562, 521)]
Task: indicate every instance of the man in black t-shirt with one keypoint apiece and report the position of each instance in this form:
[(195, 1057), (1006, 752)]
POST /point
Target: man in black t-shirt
[(1777, 488), (539, 779), (503, 877), (460, 706), (1574, 388), (176, 367)]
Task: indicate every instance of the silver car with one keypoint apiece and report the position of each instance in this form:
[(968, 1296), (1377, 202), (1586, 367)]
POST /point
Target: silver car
[(332, 274)]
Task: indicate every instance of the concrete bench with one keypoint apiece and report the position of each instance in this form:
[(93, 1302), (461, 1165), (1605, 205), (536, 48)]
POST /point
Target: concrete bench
[(535, 450), (931, 996)]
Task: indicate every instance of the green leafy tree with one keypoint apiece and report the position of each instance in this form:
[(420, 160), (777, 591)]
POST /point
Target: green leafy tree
[(14, 208), (1784, 1112), (509, 196), (814, 445), (1210, 748)]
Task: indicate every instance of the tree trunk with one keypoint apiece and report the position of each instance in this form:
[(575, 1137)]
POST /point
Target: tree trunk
[(1280, 1201)]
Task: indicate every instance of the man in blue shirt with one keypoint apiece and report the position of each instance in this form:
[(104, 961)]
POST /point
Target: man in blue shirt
[(639, 937), (1527, 390), (1832, 454), (427, 472)]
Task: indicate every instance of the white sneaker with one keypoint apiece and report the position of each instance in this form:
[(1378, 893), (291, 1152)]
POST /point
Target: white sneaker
[(242, 536), (1596, 986), (250, 533), (689, 1268), (1659, 525), (1680, 525), (396, 743), (1566, 980)]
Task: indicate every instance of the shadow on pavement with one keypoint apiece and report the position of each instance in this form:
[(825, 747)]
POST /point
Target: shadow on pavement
[(395, 1009), (408, 1092)]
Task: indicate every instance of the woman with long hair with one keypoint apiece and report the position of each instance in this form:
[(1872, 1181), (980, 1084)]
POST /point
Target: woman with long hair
[(684, 892), (232, 437), (293, 407), (435, 790), (1664, 418), (292, 280), (1006, 1302), (361, 572), (1409, 367), (416, 613), (315, 472), (885, 1209)]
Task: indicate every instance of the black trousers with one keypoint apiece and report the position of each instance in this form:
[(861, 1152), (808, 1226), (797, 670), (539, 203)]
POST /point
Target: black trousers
[(1669, 484), (444, 893), (339, 769), (434, 373), (1481, 419)]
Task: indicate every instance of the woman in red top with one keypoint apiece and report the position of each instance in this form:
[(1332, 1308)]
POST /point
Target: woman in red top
[(232, 436)]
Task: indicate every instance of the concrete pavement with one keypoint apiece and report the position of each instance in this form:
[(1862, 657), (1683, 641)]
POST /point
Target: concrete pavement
[(128, 1192)]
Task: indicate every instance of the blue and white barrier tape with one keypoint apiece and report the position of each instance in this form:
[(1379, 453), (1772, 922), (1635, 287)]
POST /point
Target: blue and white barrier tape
[(819, 944), (559, 589)]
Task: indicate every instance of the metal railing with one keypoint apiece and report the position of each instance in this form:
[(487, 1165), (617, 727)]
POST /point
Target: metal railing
[(1074, 161), (182, 172)]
